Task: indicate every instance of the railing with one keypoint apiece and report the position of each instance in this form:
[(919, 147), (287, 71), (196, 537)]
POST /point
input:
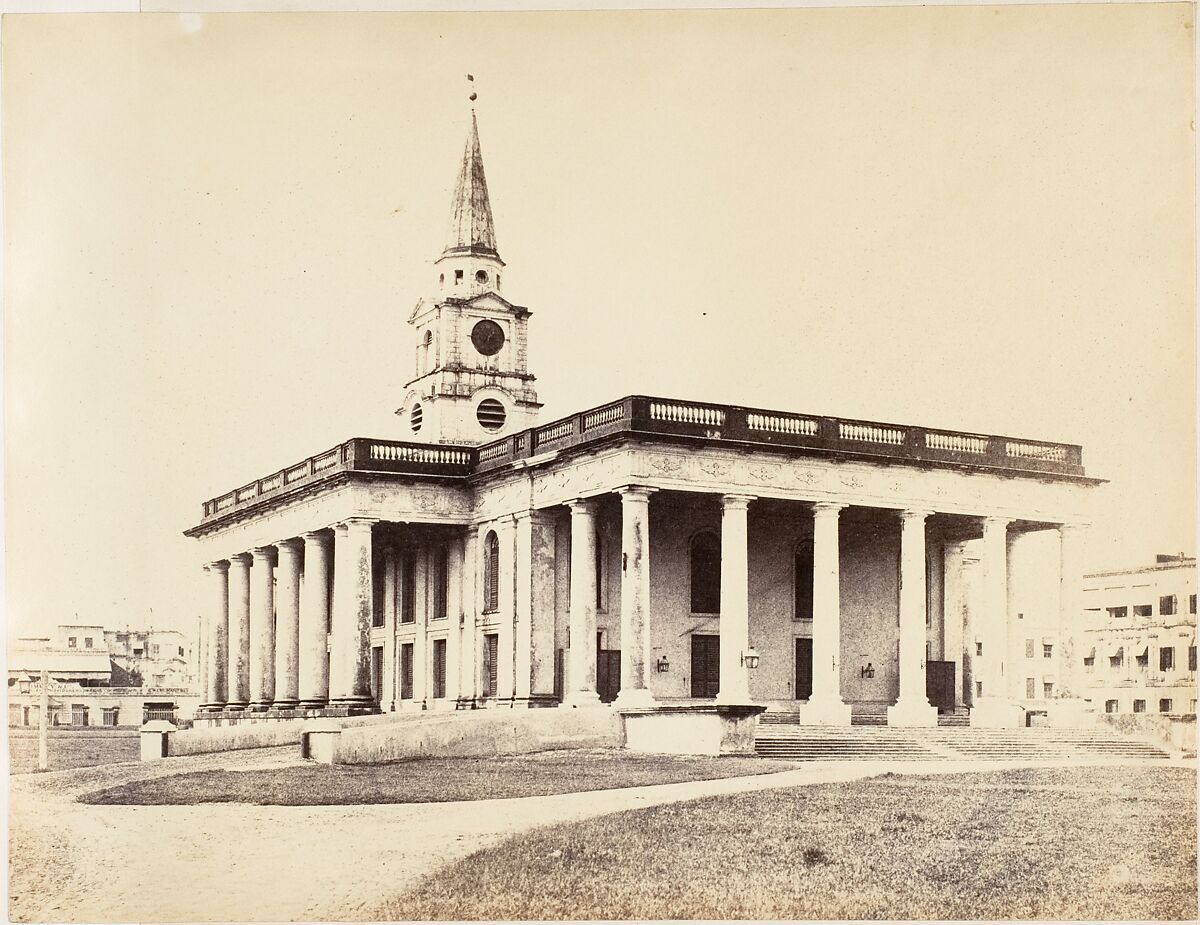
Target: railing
[(668, 419), (357, 454), (841, 436)]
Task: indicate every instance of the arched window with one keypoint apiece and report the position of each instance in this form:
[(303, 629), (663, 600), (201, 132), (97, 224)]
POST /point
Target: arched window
[(491, 573), (804, 580), (705, 561), (428, 352)]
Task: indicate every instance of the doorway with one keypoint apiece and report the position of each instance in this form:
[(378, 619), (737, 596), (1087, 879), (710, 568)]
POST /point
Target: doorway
[(804, 668), (608, 671), (706, 665)]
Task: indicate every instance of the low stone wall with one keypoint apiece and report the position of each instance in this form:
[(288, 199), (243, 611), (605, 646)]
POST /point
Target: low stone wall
[(1178, 733), (254, 734), (474, 733)]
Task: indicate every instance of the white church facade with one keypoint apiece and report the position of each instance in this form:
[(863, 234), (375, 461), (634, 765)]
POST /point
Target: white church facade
[(649, 553)]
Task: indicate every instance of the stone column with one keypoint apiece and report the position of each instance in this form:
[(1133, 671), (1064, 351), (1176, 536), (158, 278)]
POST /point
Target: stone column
[(239, 632), (735, 599), (936, 595), (507, 612), (217, 646), (1070, 614), (313, 642), (287, 626), (454, 615), (955, 642), (262, 629), (581, 674), (635, 598), (912, 707), (353, 603), (468, 672), (994, 708), (421, 647), (826, 706)]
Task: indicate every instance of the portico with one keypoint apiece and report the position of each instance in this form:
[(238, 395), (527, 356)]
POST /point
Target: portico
[(648, 553)]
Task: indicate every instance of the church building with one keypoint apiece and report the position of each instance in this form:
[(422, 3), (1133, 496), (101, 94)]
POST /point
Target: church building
[(650, 553)]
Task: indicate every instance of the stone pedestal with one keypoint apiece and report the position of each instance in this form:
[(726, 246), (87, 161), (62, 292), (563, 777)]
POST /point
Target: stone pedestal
[(154, 739), (997, 713), (705, 729)]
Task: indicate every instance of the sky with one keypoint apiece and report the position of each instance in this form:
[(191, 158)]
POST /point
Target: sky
[(216, 227)]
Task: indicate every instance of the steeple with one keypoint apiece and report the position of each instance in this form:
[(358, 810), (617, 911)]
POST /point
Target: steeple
[(472, 231)]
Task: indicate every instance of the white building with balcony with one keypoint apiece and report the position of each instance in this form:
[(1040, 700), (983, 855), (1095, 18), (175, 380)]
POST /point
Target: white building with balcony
[(649, 552), (1138, 640)]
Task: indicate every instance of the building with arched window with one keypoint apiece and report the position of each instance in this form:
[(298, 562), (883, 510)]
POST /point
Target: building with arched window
[(648, 551)]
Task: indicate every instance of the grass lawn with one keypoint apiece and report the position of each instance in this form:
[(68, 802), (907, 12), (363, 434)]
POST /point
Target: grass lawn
[(1086, 843), (430, 780), (71, 748)]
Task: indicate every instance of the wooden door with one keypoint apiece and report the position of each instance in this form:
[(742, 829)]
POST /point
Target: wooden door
[(939, 685), (706, 665), (804, 665), (608, 672)]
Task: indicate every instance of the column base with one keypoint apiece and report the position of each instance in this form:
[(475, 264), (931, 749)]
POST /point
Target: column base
[(912, 713), (736, 698), (581, 699), (351, 706), (828, 711), (285, 705), (260, 706), (637, 699), (313, 704), (997, 713), (238, 706), (211, 709)]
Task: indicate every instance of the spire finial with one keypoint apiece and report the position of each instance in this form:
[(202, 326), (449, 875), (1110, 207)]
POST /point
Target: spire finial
[(474, 96)]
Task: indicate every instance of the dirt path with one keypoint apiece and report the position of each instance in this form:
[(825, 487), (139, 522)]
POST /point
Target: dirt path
[(236, 862)]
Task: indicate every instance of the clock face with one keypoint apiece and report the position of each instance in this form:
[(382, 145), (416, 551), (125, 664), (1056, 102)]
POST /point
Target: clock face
[(488, 337)]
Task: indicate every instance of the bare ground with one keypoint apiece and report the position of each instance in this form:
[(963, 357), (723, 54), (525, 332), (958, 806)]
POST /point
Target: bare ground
[(234, 862)]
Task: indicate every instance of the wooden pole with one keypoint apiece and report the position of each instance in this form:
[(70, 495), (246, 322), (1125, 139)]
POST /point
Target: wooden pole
[(44, 721)]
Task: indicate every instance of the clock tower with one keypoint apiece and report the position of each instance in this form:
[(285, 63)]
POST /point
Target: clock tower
[(471, 383)]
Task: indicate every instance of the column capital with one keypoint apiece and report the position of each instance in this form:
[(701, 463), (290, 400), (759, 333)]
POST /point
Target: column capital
[(994, 521), (828, 508), (315, 536), (908, 516), (291, 544), (582, 507), (221, 565), (263, 552), (241, 558), (636, 492), (1074, 528), (735, 502), (359, 523)]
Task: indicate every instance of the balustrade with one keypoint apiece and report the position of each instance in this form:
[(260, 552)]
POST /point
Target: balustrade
[(667, 417)]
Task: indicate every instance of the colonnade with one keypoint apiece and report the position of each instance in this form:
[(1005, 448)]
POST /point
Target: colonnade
[(271, 613), (987, 675)]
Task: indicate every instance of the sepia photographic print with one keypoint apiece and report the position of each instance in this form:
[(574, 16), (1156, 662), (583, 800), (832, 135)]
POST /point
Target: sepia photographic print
[(679, 464)]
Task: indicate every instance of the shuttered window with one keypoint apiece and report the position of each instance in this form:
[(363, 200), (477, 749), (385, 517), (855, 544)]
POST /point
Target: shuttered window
[(406, 671), (491, 573), (706, 573), (408, 587), (491, 650), (439, 668), (441, 582), (804, 582)]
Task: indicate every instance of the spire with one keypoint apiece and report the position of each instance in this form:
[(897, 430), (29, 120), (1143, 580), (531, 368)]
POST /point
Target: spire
[(472, 231)]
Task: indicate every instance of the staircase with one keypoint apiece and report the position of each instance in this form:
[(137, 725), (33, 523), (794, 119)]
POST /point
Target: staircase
[(780, 736)]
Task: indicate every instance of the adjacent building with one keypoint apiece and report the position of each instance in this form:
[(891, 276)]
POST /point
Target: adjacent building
[(649, 551), (101, 677), (1138, 652)]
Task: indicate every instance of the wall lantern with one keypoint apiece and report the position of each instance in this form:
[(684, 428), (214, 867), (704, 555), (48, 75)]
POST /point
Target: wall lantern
[(662, 665), (868, 671), (750, 657)]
